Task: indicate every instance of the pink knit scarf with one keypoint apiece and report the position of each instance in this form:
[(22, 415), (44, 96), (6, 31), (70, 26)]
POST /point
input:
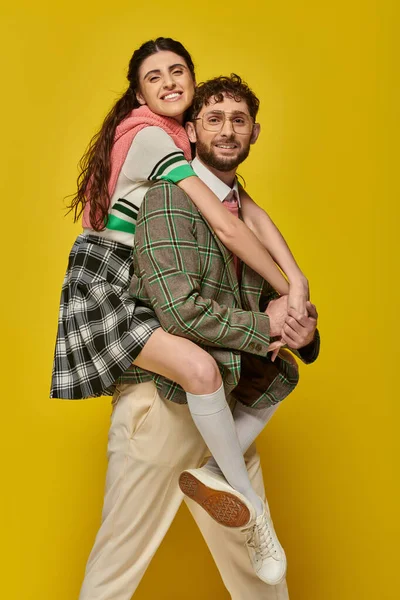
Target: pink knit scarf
[(125, 133)]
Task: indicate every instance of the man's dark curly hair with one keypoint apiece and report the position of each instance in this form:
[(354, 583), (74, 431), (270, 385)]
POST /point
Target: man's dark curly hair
[(232, 86)]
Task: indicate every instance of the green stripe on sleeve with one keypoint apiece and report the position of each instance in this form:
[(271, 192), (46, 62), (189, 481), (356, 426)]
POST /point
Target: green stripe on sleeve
[(180, 173), (118, 224)]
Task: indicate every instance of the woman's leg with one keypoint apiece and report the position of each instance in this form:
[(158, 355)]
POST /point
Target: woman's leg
[(196, 371), (229, 550), (180, 360), (249, 423)]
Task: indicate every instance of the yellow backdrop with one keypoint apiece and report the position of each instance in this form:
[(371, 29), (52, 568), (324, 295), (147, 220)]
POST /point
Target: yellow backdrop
[(323, 168)]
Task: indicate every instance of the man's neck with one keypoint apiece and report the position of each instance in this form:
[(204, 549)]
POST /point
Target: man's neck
[(228, 177)]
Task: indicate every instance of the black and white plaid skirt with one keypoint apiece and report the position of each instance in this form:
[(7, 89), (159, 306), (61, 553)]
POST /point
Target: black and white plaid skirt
[(101, 330)]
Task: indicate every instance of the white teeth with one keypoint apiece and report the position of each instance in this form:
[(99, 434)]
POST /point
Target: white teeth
[(170, 96), (226, 146)]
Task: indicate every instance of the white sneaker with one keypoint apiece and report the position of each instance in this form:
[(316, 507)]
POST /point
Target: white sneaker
[(266, 553), (213, 493)]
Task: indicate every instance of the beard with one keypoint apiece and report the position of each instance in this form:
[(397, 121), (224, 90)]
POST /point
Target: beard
[(222, 163)]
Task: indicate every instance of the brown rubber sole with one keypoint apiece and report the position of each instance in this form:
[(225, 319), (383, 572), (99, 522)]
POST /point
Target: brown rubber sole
[(223, 507)]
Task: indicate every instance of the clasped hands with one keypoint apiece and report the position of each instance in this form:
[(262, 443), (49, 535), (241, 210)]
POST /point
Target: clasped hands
[(296, 330)]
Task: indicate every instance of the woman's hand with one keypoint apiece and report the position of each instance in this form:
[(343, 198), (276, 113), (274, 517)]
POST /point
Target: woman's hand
[(277, 311), (299, 295), (275, 347), (298, 300)]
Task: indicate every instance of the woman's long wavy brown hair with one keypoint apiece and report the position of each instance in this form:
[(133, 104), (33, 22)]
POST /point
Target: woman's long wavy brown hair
[(95, 164)]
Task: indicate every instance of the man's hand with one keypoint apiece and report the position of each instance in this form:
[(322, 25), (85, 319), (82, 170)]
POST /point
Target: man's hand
[(298, 330), (277, 311)]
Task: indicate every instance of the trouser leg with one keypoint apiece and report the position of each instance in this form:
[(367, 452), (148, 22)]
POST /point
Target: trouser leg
[(151, 441)]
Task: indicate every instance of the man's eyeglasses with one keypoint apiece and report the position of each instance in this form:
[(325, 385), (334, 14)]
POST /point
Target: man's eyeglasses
[(215, 120)]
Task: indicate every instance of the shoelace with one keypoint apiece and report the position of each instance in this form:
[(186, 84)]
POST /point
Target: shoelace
[(261, 540)]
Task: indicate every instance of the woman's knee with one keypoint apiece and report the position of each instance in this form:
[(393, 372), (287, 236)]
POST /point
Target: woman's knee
[(182, 361), (201, 374)]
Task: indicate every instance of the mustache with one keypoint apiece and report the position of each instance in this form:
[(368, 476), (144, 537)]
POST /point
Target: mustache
[(231, 140)]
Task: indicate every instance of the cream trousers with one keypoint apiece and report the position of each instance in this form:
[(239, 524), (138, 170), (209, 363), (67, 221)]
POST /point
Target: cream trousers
[(151, 440)]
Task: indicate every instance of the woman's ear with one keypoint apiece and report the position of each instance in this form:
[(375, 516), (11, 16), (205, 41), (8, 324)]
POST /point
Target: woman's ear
[(255, 133), (191, 131), (140, 98)]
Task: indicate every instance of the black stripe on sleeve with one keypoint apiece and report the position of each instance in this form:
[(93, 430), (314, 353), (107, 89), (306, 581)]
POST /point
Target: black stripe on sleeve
[(128, 203), (164, 159)]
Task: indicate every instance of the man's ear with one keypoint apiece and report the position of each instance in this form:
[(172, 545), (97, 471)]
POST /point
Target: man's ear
[(140, 98), (256, 133), (191, 131)]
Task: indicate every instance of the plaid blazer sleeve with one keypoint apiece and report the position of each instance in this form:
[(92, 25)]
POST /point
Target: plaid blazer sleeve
[(309, 354), (169, 267)]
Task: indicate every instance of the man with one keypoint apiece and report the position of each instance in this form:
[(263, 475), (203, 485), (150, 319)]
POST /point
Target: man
[(153, 440)]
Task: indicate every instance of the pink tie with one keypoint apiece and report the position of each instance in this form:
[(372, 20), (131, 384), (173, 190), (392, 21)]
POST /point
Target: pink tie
[(231, 203)]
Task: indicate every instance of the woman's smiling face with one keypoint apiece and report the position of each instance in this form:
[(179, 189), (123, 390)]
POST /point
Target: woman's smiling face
[(166, 85)]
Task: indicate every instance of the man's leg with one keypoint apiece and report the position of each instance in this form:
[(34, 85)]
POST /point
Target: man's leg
[(151, 441), (228, 547)]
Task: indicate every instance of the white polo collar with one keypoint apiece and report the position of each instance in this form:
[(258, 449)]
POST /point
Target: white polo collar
[(220, 189)]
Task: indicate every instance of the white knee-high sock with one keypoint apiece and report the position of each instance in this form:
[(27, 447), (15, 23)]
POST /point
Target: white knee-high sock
[(249, 423), (213, 418)]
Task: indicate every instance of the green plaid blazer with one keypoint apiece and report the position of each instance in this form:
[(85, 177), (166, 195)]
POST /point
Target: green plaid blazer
[(187, 276)]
